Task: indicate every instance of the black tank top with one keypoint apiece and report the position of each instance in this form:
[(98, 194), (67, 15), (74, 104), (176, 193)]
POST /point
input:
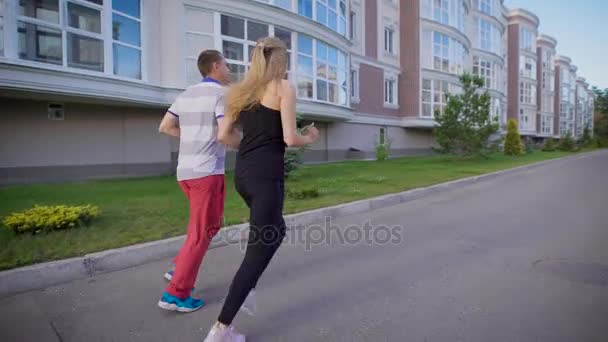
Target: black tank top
[(262, 149)]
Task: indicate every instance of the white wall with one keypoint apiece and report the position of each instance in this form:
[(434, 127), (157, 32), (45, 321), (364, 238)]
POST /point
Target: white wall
[(89, 135)]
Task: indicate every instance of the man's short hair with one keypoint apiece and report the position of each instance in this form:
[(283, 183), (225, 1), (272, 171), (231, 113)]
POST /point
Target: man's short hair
[(206, 60)]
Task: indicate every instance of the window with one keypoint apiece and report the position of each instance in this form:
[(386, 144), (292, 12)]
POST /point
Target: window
[(441, 52), (284, 4), (321, 71), (527, 67), (126, 33), (354, 84), (331, 13), (527, 93), (389, 40), (43, 33), (434, 97), (485, 35), (449, 55), (526, 120), (440, 11), (353, 26), (546, 124), (527, 40), (382, 136), (485, 6), (239, 37), (390, 91), (486, 70)]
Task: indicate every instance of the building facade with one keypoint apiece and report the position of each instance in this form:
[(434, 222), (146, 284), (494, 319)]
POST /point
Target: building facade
[(89, 80), (545, 99)]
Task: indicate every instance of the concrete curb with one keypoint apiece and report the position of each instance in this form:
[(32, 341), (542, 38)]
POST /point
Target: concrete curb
[(47, 274)]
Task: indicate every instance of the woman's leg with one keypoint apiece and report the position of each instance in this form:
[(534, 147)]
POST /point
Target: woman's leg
[(267, 230)]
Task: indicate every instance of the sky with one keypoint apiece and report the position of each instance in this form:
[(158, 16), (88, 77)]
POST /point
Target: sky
[(581, 30)]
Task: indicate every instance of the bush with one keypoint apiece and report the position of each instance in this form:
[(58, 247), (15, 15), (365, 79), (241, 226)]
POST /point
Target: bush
[(302, 194), (549, 145), (383, 151), (513, 144), (49, 218), (292, 161), (293, 158), (566, 144)]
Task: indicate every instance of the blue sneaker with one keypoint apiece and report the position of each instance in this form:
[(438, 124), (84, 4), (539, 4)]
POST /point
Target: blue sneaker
[(172, 303)]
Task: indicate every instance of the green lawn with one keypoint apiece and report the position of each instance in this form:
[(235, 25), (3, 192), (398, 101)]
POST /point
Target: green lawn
[(139, 210)]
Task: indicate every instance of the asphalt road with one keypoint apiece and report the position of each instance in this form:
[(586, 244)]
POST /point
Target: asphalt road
[(521, 257)]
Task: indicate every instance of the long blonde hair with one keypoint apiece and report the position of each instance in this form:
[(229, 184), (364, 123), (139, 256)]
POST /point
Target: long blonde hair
[(269, 63)]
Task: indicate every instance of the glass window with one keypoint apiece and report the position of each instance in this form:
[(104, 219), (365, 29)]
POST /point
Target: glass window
[(485, 35), (256, 31), (233, 27), (389, 92), (233, 50), (353, 26), (126, 30), (283, 35), (85, 52), (129, 7), (304, 44), (389, 40), (127, 61), (39, 43), (354, 84), (434, 96), (84, 18), (305, 8), (45, 10), (485, 6)]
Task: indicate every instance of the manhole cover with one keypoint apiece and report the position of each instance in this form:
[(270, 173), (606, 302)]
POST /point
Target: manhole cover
[(587, 273)]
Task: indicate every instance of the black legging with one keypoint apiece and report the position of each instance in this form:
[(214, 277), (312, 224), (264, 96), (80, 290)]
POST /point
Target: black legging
[(264, 197)]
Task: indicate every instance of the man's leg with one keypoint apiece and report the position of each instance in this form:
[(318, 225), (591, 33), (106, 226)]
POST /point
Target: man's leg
[(206, 210)]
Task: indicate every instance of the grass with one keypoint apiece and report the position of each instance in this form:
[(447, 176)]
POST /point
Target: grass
[(147, 209)]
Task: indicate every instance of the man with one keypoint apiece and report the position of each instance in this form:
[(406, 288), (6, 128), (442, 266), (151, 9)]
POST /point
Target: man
[(195, 117)]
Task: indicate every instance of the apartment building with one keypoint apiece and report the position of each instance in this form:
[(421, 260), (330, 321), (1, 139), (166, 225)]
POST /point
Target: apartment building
[(522, 75), (545, 100), (89, 80)]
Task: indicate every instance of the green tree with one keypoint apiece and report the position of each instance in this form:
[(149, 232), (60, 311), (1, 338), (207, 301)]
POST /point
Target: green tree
[(549, 145), (586, 137), (566, 143), (465, 126), (513, 144), (601, 123)]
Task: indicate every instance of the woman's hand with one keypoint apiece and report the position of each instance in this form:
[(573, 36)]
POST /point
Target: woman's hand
[(312, 134)]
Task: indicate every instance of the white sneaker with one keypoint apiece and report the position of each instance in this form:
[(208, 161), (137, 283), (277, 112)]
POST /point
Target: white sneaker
[(229, 334), (249, 307)]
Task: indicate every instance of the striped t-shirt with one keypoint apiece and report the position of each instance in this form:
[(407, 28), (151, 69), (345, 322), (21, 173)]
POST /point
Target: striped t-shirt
[(198, 108)]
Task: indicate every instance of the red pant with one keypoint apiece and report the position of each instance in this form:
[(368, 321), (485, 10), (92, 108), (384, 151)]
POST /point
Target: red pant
[(206, 197)]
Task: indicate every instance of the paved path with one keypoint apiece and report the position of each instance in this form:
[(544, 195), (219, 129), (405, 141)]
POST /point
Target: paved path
[(522, 257)]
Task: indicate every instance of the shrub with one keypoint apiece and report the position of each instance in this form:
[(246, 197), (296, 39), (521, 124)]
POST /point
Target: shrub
[(513, 144), (549, 145), (48, 218), (383, 151), (566, 143), (302, 194), (293, 158)]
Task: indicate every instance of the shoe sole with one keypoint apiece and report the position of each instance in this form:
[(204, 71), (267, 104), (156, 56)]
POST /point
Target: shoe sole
[(168, 277), (174, 307)]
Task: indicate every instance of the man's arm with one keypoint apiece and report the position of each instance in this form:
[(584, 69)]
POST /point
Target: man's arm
[(170, 125), (227, 133)]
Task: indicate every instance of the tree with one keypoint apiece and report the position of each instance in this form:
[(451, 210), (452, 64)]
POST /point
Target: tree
[(586, 138), (465, 126), (566, 143), (601, 123), (513, 144)]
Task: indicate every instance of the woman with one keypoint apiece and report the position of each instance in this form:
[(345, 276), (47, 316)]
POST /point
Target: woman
[(263, 104)]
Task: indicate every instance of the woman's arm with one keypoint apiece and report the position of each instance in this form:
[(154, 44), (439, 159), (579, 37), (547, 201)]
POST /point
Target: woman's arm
[(288, 117), (227, 133)]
